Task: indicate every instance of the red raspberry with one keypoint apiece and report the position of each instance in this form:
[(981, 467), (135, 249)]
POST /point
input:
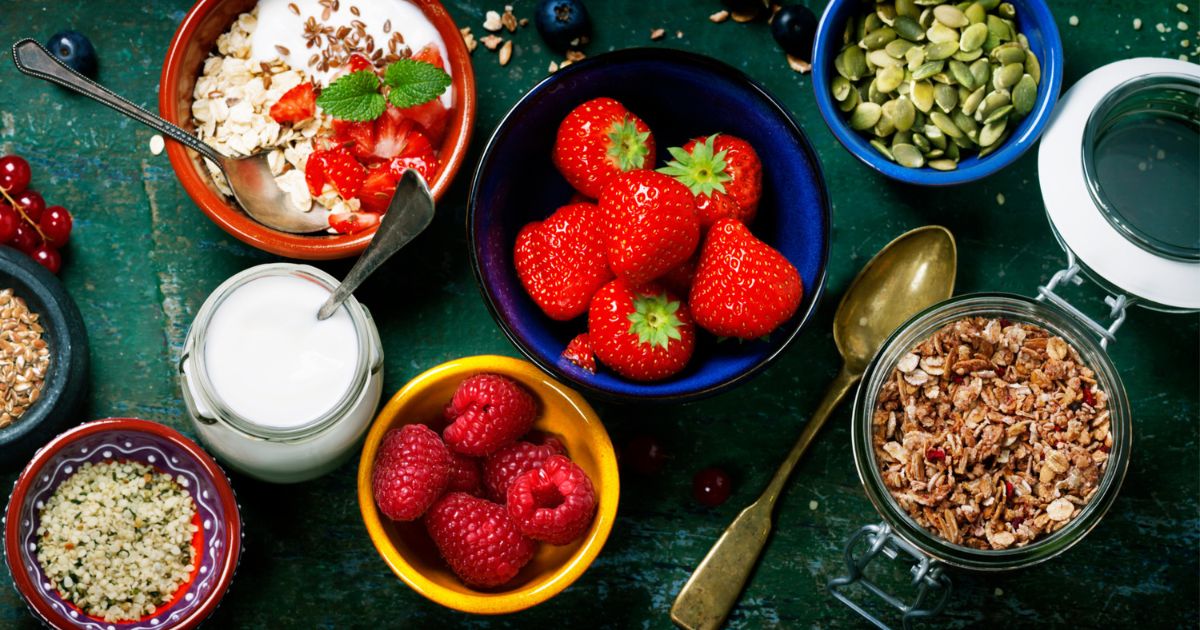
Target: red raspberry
[(501, 467), (465, 475), (487, 412), (554, 503), (411, 471), (478, 539)]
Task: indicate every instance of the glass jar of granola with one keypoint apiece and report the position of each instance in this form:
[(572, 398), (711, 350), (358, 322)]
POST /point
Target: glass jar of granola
[(273, 391)]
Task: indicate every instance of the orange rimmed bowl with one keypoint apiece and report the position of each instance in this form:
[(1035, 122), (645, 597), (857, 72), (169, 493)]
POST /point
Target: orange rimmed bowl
[(191, 45), (406, 547)]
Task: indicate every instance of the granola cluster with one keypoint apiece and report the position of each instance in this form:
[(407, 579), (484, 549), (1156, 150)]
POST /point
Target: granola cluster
[(992, 434)]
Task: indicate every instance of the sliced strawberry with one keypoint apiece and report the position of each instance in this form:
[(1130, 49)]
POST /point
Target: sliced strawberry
[(359, 137), (579, 352), (430, 55), (391, 134), (359, 62), (352, 222), (314, 172), (339, 168), (377, 190), (418, 155), (297, 104), (432, 117)]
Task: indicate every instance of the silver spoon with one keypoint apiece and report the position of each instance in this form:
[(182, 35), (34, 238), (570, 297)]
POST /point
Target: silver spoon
[(250, 177), (408, 214)]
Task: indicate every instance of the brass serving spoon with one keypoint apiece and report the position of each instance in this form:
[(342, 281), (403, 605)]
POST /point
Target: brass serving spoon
[(911, 273), (249, 178)]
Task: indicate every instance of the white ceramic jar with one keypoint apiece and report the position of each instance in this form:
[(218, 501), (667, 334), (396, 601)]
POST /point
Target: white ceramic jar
[(272, 391)]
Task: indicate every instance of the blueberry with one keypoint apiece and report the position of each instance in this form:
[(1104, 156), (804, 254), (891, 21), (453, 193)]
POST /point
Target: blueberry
[(73, 49), (794, 28), (563, 23)]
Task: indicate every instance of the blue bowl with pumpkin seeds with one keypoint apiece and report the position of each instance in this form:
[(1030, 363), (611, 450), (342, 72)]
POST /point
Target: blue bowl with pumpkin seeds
[(1033, 20)]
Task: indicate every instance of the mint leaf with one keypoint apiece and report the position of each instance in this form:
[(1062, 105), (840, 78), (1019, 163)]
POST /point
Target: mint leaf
[(414, 82), (354, 96)]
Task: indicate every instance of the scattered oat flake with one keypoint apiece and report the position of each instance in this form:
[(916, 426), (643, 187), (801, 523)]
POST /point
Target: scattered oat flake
[(657, 34), (1073, 20), (506, 52), (524, 22), (1137, 24), (553, 67), (743, 17), (491, 42), (1000, 198), (509, 20), (799, 65), (812, 505), (468, 38), (492, 21), (157, 144), (575, 55), (718, 17)]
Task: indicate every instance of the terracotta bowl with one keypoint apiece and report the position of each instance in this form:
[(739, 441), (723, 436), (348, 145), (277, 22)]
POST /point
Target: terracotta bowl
[(191, 45), (407, 548), (218, 541)]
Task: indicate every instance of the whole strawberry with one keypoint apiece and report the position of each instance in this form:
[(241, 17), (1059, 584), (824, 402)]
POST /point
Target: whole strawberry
[(561, 261), (599, 140), (478, 539), (743, 287), (488, 411), (501, 467), (724, 173), (554, 503), (412, 468), (645, 334), (649, 223)]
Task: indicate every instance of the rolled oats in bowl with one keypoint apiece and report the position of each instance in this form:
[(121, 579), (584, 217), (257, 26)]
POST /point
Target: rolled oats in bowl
[(115, 539), (991, 434)]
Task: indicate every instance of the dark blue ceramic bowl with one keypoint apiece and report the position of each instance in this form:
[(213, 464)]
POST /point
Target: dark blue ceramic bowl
[(681, 96), (1034, 20)]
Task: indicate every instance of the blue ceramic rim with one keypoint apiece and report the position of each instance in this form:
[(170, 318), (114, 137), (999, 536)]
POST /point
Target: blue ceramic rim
[(669, 55), (828, 37)]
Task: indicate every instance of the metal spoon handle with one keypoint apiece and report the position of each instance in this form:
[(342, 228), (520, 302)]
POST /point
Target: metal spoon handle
[(409, 212), (713, 590), (34, 60)]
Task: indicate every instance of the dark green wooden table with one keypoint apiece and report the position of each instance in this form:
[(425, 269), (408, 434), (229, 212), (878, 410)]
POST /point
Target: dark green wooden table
[(143, 258)]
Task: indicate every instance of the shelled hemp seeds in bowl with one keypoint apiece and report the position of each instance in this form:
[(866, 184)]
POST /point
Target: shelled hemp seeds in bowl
[(24, 358), (116, 539)]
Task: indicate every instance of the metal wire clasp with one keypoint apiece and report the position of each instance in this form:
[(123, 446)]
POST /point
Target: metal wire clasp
[(1117, 303), (933, 586)]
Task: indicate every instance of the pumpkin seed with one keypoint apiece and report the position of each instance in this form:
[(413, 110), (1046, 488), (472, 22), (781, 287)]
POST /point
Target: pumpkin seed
[(975, 13), (841, 88), (971, 103), (886, 13), (885, 127), (851, 63), (981, 70), (989, 5), (943, 165), (941, 33), (915, 57), (1008, 54), (974, 37), (953, 152), (907, 8), (908, 155), (880, 59), (904, 114), (991, 132), (882, 147), (968, 56), (888, 79), (852, 101), (962, 74), (946, 97), (922, 95), (897, 47), (871, 22), (999, 114), (940, 50), (985, 150), (1033, 67), (999, 29), (902, 137), (1024, 95), (966, 123), (865, 116), (950, 16), (1007, 10), (991, 103), (945, 124), (1008, 76), (928, 69), (909, 28), (922, 142), (879, 38)]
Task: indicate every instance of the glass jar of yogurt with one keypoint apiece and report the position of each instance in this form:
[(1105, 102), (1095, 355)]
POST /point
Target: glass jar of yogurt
[(276, 393)]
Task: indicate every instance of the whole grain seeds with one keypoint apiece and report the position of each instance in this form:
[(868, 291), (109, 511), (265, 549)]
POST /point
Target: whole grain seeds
[(115, 539), (992, 434), (24, 357)]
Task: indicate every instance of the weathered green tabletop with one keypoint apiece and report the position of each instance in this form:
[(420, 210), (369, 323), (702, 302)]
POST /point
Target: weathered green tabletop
[(143, 258)]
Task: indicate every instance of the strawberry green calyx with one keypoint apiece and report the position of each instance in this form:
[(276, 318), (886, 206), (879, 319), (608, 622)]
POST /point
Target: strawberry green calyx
[(628, 148), (703, 171), (653, 320)]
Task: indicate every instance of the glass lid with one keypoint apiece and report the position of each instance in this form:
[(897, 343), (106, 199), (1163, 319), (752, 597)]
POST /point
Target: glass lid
[(1120, 175)]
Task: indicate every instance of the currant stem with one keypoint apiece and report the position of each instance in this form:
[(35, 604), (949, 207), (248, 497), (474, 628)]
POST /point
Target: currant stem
[(15, 206)]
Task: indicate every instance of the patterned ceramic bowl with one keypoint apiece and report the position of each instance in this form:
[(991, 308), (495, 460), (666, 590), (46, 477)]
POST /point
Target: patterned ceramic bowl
[(219, 540)]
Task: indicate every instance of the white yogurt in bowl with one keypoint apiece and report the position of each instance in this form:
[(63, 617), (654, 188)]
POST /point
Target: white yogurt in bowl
[(272, 390)]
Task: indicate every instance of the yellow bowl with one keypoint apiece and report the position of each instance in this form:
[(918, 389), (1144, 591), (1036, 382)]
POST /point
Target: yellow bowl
[(407, 548)]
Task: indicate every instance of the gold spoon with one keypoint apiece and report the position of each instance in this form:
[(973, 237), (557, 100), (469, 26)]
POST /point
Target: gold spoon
[(911, 273)]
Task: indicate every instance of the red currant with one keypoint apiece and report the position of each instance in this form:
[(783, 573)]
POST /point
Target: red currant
[(14, 174), (47, 257), (32, 204), (644, 455), (25, 238), (55, 224), (9, 220), (712, 486)]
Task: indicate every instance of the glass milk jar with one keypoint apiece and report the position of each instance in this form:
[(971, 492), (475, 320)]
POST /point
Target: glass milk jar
[(274, 392)]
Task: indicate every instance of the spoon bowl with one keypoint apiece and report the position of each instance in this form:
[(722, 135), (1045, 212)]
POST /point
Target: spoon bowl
[(911, 273)]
